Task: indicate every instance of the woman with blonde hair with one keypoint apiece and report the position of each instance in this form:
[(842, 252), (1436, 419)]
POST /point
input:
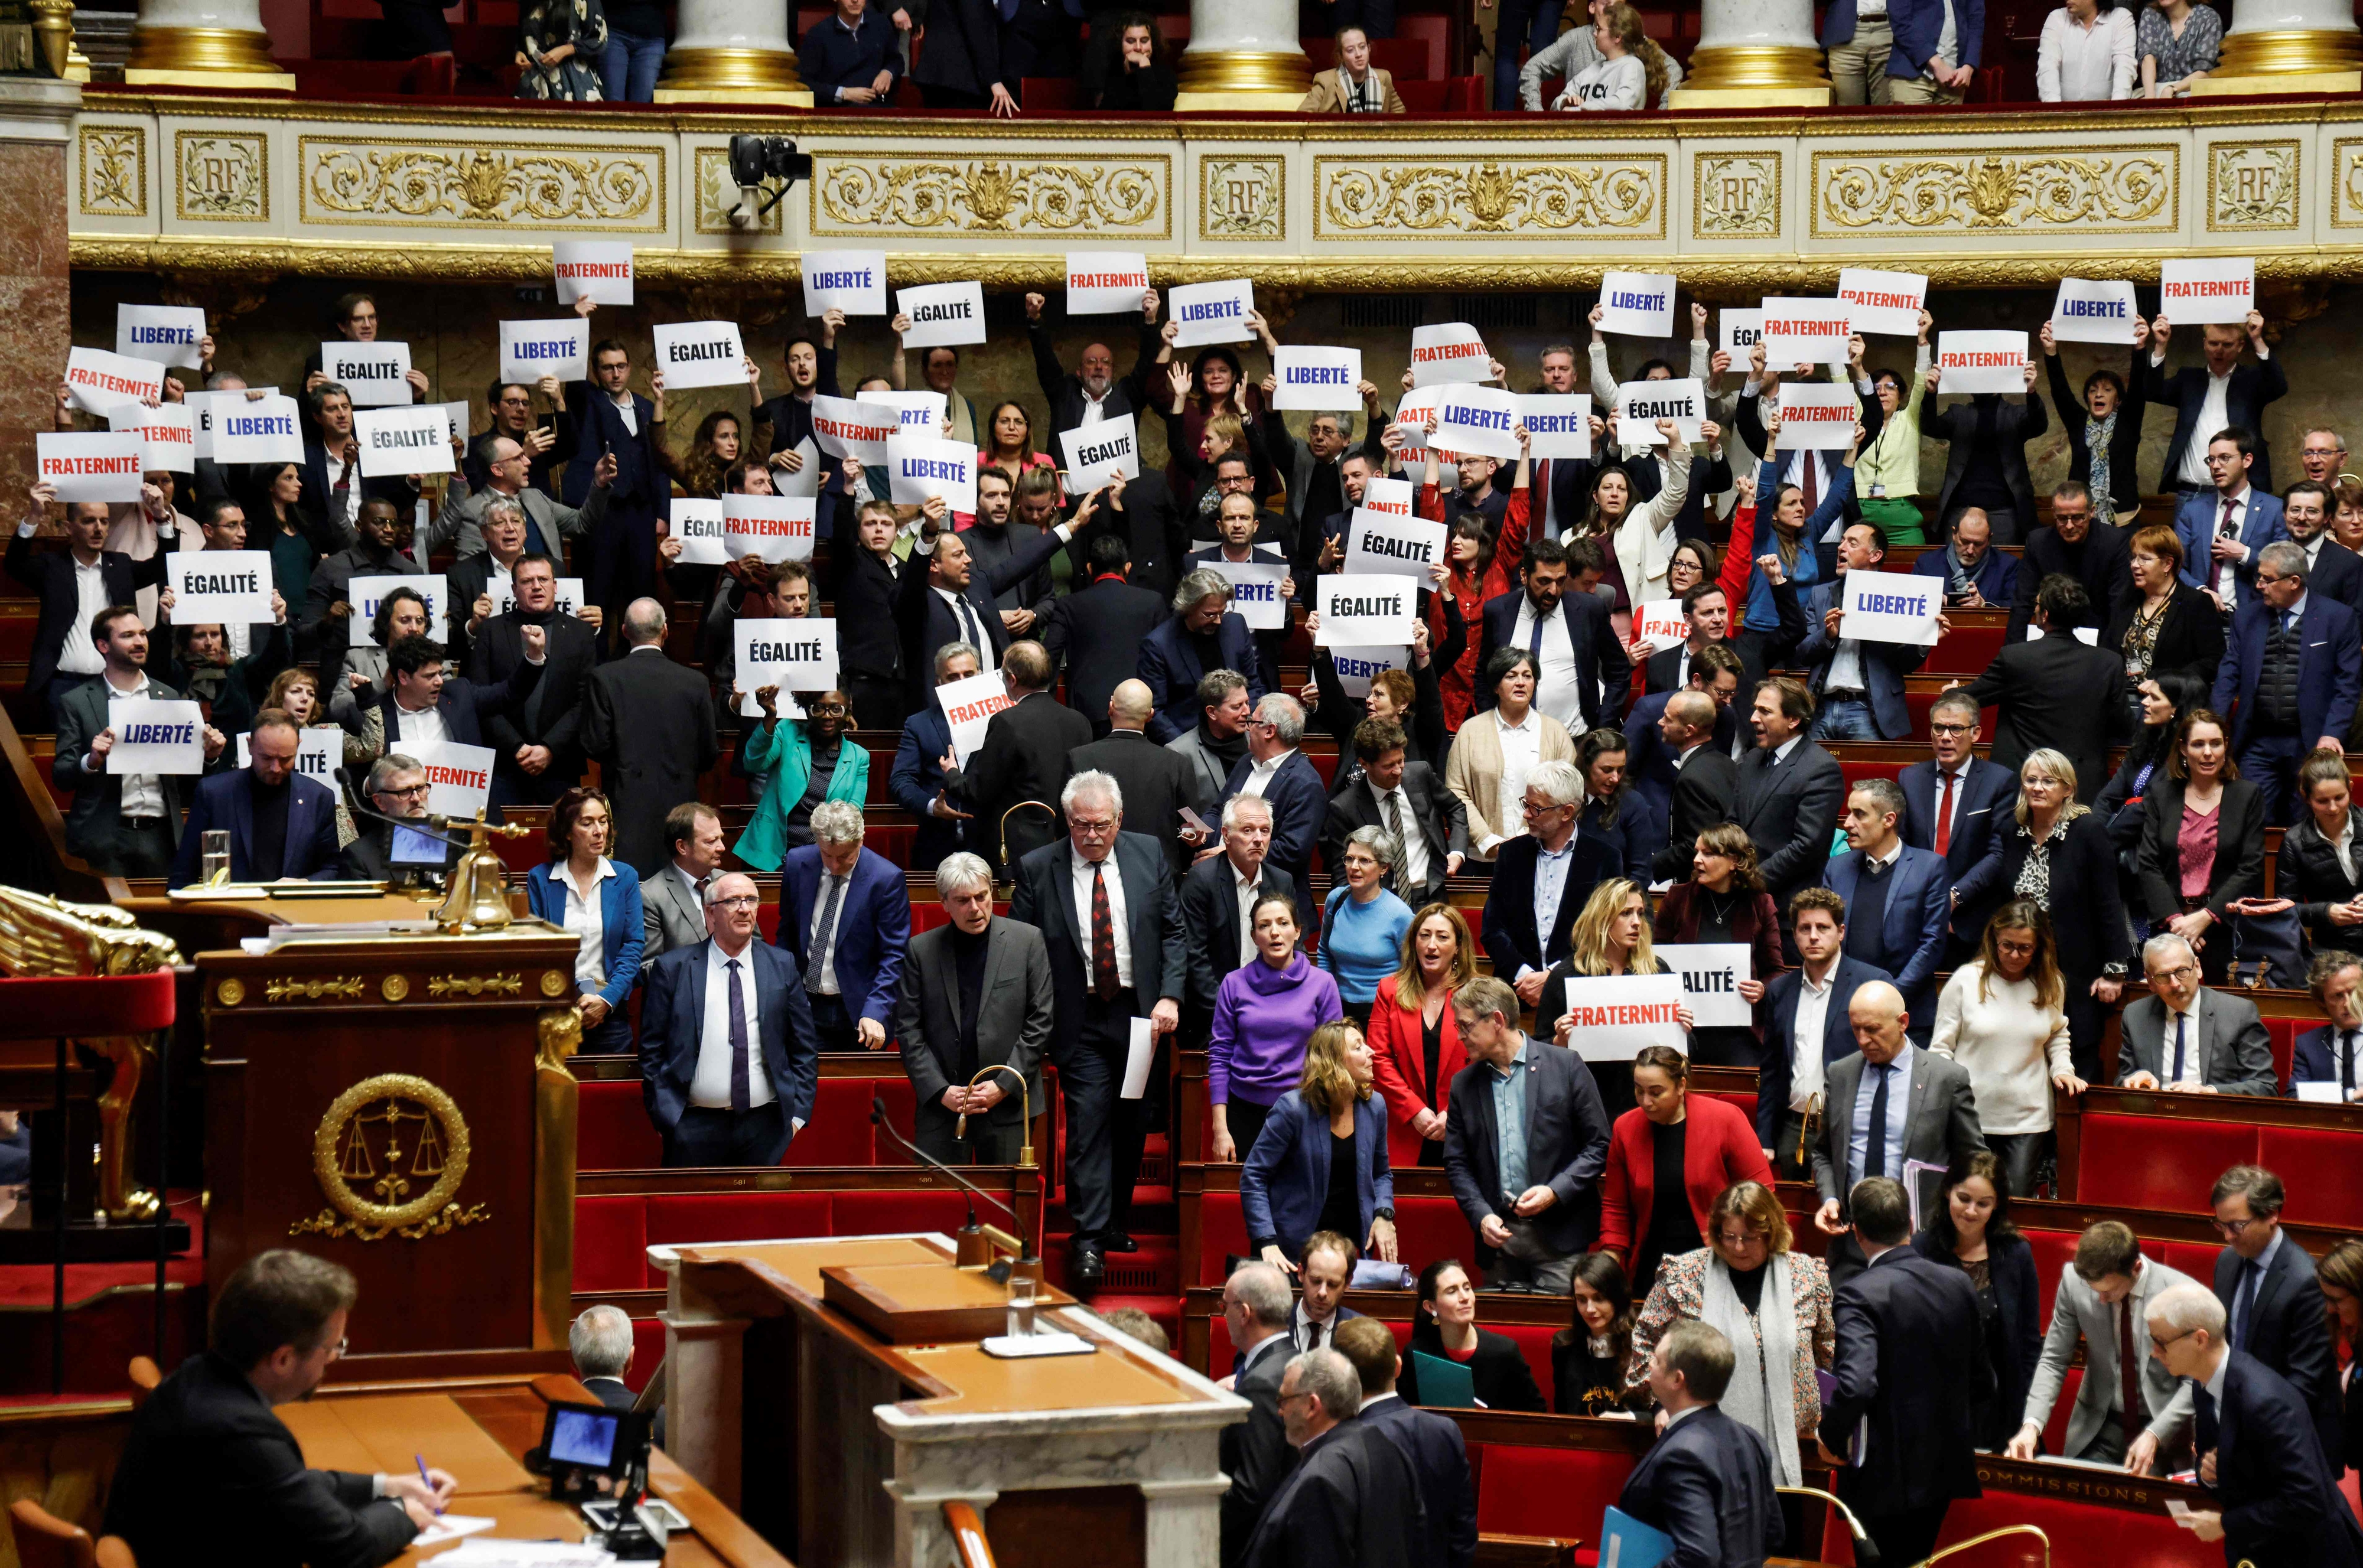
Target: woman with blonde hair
[(1772, 1304), (2002, 1017), (1611, 936), (2058, 855), (1416, 1046), (1631, 73), (1320, 1162)]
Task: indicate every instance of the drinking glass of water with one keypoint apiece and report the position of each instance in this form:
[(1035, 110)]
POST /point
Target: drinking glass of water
[(215, 847), (1021, 1304)]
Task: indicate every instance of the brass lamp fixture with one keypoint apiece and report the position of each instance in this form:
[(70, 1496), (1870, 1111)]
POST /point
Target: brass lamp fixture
[(1025, 1104)]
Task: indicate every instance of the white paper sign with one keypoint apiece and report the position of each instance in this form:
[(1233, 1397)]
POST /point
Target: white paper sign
[(803, 484), (377, 374), (1617, 1015), (1478, 419), (1892, 607), (1255, 592), (598, 270), (1388, 497), (918, 469), (2319, 1092), (1738, 331), (1711, 973), (1212, 312), (1449, 351), (1104, 283), (99, 466), (152, 737), (256, 430), (1098, 453), (2091, 312), (1140, 1053), (168, 434), (99, 380), (919, 412), (1640, 405), (569, 599), (532, 350), (1805, 332), (1637, 305), (1885, 303), (1817, 416), (1399, 546), (365, 592), (2209, 289), (204, 406), (1661, 623), (776, 527), (969, 705), (456, 417), (1559, 423), (794, 656), (1317, 378), (1357, 667), (231, 588), (851, 281), (700, 354), (1411, 418), (845, 427), (413, 439), (942, 313), (1981, 361), (166, 334), (698, 522), (459, 777), (1366, 610), (319, 751)]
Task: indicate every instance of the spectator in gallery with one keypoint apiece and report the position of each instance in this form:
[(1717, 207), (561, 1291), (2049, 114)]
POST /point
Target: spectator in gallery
[(2086, 55), (560, 53), (2178, 43), (852, 58), (1577, 51), (961, 67), (635, 49), (1144, 75), (1354, 86), (1630, 73)]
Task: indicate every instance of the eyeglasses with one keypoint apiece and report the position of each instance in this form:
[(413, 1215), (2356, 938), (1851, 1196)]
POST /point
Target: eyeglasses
[(741, 903), (2181, 971), (2232, 1227), (1093, 829), (405, 791), (2159, 1345), (1951, 729)]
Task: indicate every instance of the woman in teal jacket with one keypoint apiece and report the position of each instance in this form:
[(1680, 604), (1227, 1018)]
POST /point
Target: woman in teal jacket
[(809, 760)]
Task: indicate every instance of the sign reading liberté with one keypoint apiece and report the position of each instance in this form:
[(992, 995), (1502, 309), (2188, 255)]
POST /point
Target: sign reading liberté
[(1254, 591), (1892, 607), (155, 735), (532, 350), (2091, 312), (851, 281), (1317, 380)]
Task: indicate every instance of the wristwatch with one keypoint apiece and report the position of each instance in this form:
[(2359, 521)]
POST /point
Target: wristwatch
[(1387, 1214)]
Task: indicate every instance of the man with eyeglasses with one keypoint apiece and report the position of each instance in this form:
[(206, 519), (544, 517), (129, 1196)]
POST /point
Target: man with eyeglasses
[(1958, 805), (2187, 1038), (397, 788), (2100, 559), (2223, 527), (2331, 567), (2290, 678), (2271, 1303)]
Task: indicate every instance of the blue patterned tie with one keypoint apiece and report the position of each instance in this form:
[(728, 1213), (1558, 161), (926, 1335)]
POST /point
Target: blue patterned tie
[(741, 1094)]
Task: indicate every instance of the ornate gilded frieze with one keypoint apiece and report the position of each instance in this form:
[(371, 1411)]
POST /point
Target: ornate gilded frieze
[(2253, 185), (1736, 196), (1017, 195), (393, 183), (1423, 197), (1242, 198), (2116, 191), (114, 161), (221, 176)]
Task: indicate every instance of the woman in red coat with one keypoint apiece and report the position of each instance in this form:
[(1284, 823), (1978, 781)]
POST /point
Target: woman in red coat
[(1414, 1044), (1705, 1143), (1724, 900)]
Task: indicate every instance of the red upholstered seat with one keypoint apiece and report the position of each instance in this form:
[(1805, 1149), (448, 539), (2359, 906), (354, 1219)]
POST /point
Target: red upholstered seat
[(2055, 1431), (1427, 1229), (1546, 1491), (900, 1100), (1965, 650), (876, 1213), (2079, 1534), (610, 1239), (684, 1217), (839, 1132), (1534, 1343), (611, 1129), (2284, 1033), (1856, 770), (1222, 1233), (1743, 1103), (2129, 1161), (1917, 703), (86, 1005), (2318, 1166), (2192, 1258), (647, 1352), (2054, 1249)]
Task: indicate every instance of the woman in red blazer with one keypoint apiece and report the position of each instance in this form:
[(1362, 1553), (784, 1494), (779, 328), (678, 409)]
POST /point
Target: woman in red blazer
[(1724, 900), (1715, 1143), (1415, 1045)]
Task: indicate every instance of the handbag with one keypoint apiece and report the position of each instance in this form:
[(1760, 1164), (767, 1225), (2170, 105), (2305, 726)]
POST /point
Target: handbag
[(2267, 950)]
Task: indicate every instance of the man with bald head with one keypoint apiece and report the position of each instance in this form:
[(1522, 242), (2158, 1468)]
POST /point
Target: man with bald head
[(1095, 395), (1157, 783), (1706, 781), (509, 474), (647, 722), (1888, 1106)]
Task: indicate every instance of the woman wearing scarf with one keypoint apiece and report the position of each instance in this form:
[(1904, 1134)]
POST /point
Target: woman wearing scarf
[(2104, 444)]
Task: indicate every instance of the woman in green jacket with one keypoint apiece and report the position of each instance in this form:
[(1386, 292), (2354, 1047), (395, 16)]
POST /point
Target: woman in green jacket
[(809, 760)]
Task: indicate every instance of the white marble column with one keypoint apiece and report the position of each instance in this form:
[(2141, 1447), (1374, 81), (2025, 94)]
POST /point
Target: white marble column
[(2286, 46), (1755, 53), (1243, 54), (203, 43), (732, 52)]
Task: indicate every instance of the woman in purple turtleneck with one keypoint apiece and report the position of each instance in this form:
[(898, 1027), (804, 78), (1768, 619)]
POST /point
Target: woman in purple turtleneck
[(1263, 1015)]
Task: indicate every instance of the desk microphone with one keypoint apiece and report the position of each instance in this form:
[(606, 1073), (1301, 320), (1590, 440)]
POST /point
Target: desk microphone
[(878, 1120)]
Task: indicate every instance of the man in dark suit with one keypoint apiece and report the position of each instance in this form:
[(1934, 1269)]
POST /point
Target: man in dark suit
[(425, 703), (730, 1086), (1960, 806), (2099, 559), (998, 536), (1023, 760), (1408, 799), (2260, 1452), (1274, 769), (1094, 392), (921, 778), (1798, 1050), (612, 420), (600, 1342), (1707, 1482), (1115, 956), (209, 1433), (2332, 569), (1238, 527), (1715, 672), (1593, 682), (324, 631), (283, 826), (537, 741), (1255, 1454), (73, 585), (1708, 610), (956, 1014), (1791, 792), (2189, 1038), (1911, 1361), (125, 824), (333, 488), (1533, 1202), (2056, 691), (2290, 678), (1156, 782), (649, 724), (1900, 898), (1916, 1109), (397, 787), (2332, 1053), (1216, 742), (1858, 686), (1202, 634), (1353, 1500), (1977, 576), (1526, 930), (950, 599), (2247, 390), (1217, 895), (1438, 1454), (2223, 525), (470, 587), (1985, 441), (1096, 631), (851, 57), (845, 918), (1706, 781), (2266, 1282), (461, 526), (1142, 513)]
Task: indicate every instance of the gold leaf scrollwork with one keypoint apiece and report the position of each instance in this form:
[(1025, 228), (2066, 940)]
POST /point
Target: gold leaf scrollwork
[(1003, 195), (477, 185), (115, 171), (1994, 192), (441, 985), (1489, 198), (2252, 186), (371, 1142), (318, 989), (1737, 194)]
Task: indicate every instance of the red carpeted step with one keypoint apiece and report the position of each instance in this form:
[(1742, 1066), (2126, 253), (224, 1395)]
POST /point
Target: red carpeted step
[(1155, 1270)]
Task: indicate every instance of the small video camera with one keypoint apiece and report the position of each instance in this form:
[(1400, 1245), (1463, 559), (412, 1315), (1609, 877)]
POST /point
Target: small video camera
[(755, 159)]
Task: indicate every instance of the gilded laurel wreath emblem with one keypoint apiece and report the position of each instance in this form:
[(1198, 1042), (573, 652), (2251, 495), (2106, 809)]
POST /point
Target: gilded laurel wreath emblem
[(380, 1143)]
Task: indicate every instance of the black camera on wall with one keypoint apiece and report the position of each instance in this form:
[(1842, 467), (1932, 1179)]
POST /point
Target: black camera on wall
[(755, 160)]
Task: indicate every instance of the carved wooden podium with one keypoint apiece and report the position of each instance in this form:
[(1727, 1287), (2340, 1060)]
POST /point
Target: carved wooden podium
[(401, 1105)]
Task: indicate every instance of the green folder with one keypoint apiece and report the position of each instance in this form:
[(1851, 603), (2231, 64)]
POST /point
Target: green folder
[(1445, 1382)]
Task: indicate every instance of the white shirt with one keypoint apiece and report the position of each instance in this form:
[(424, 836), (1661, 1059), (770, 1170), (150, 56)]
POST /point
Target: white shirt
[(696, 893), (2074, 65), (1415, 842), (626, 412), (709, 1085), (1846, 661), (2215, 412), (1960, 774), (2344, 847), (1114, 879), (1259, 775), (1948, 43), (1813, 1021), (1522, 751), (1094, 408), (583, 917), (971, 623), (1558, 686), (2225, 581), (1300, 1328), (824, 942), (2190, 1074), (419, 727), (79, 655), (1243, 888), (335, 471), (143, 794)]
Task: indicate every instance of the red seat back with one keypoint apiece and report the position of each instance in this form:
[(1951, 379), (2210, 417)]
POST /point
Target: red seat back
[(2318, 1166), (2135, 1162), (612, 1132), (1546, 1491)]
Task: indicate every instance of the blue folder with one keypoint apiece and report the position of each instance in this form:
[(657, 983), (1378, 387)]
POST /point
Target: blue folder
[(1626, 1542)]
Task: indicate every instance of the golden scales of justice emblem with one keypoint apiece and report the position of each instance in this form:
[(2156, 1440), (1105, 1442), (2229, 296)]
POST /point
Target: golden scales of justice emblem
[(379, 1142)]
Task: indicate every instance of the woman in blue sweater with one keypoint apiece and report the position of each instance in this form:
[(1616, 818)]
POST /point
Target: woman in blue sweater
[(1363, 925)]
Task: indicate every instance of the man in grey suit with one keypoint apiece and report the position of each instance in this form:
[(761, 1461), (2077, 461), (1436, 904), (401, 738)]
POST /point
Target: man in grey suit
[(1791, 792), (125, 824), (955, 1017), (1214, 745), (1918, 1111), (548, 523), (2105, 1299), (673, 896), (2187, 1038)]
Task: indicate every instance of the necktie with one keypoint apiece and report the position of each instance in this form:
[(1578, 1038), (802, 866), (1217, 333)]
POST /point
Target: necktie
[(1104, 976), (740, 1095), (2251, 1274), (2289, 619), (2129, 1362), (969, 621), (2224, 527), (1311, 1336), (2346, 1064), (2204, 1404), (821, 935), (1874, 1159), (2181, 1021), (1809, 481), (1944, 816), (1394, 828), (1535, 643)]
